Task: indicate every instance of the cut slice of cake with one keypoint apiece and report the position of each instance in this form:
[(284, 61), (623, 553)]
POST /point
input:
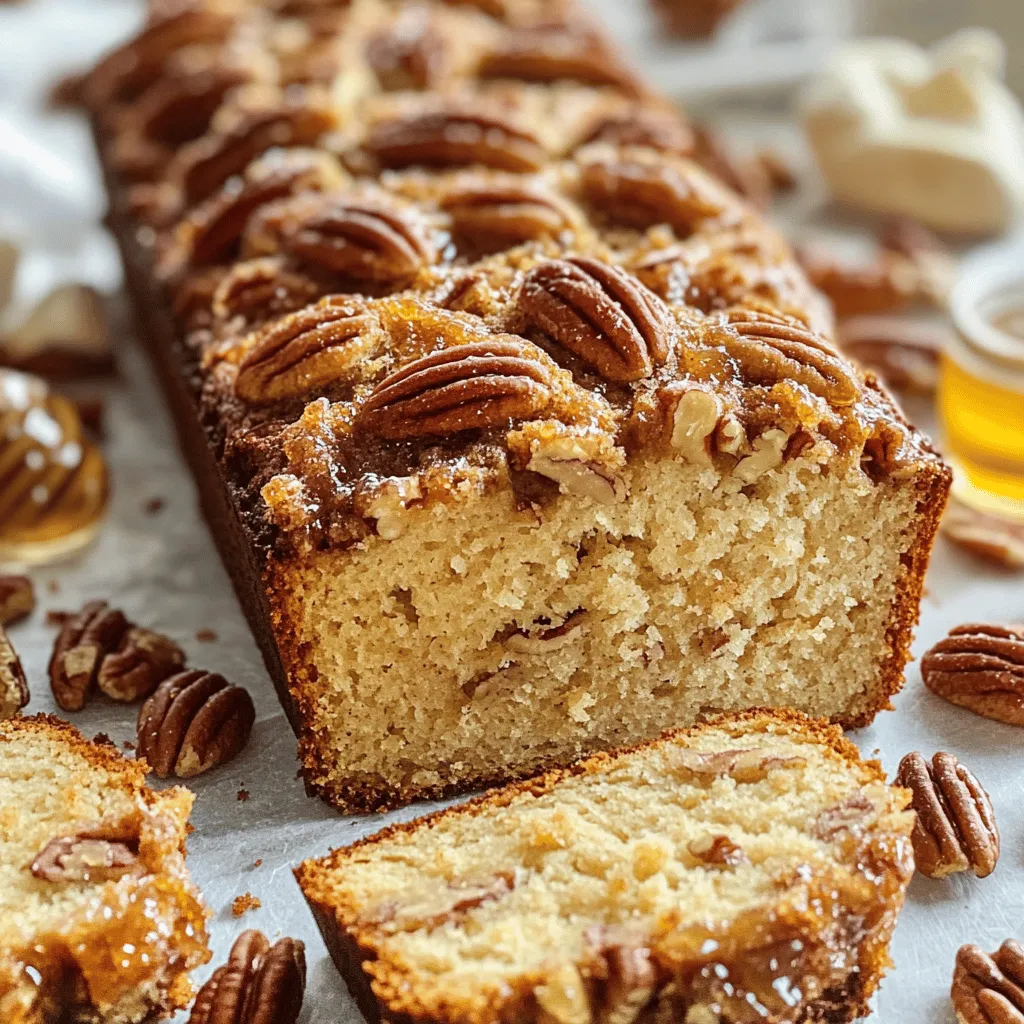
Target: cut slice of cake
[(748, 869), (99, 919)]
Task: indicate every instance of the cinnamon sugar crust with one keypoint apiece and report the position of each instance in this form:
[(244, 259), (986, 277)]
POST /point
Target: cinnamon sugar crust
[(449, 274)]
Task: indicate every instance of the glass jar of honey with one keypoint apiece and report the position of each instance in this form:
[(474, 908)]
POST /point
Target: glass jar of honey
[(981, 386)]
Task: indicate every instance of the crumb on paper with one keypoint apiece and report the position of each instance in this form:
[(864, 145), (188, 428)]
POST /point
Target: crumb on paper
[(258, 862), (128, 745), (53, 586), (153, 506), (242, 795), (206, 636), (102, 737), (245, 902), (58, 616)]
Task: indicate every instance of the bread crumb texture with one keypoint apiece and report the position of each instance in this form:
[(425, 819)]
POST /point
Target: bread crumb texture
[(81, 940), (488, 642), (749, 869)]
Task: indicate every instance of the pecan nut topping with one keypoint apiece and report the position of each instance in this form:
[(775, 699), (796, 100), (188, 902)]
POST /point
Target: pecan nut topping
[(989, 989), (640, 125), (464, 387), (84, 641), (193, 722), (412, 53), (456, 138), (606, 317), (769, 347), (17, 599), (492, 217), (260, 984), (309, 350), (980, 667), (364, 241), (956, 826), (14, 693), (142, 661), (99, 852), (259, 289), (903, 353)]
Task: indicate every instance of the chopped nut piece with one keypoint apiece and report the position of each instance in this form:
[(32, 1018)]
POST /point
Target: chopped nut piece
[(99, 852), (550, 639), (742, 765), (693, 424), (989, 989), (206, 636), (630, 985), (566, 461), (17, 599), (14, 693), (769, 449), (244, 903), (956, 827), (720, 851), (562, 998)]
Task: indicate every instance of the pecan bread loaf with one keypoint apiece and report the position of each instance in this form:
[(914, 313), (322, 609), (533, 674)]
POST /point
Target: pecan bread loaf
[(751, 868), (521, 435), (99, 920)]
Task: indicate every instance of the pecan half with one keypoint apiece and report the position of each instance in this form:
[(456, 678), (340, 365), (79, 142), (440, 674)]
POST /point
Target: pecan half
[(492, 217), (412, 53), (464, 387), (17, 599), (304, 352), (903, 353), (663, 130), (193, 722), (260, 984), (97, 852), (142, 661), (769, 348), (259, 289), (84, 640), (717, 850), (602, 314), (989, 989), (956, 826), (14, 693), (980, 667), (455, 138), (365, 241), (991, 538), (890, 284)]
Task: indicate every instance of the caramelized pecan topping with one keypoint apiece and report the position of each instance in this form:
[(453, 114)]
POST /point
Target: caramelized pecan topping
[(83, 642), (769, 348), (989, 989), (195, 721), (102, 851), (365, 241), (455, 138), (464, 387), (259, 289), (260, 984), (631, 983), (307, 351), (492, 217), (956, 826), (411, 53), (663, 130), (609, 319), (980, 666)]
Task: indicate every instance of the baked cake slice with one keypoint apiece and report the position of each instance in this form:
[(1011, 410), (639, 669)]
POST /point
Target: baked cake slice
[(747, 869), (99, 920)]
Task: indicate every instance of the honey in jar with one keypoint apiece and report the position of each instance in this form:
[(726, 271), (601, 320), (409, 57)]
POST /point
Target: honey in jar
[(981, 390), (53, 480)]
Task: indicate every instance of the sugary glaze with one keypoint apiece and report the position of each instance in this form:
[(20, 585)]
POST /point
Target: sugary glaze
[(53, 480), (534, 215), (763, 887)]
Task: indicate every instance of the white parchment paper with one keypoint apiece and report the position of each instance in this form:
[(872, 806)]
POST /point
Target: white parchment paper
[(163, 570)]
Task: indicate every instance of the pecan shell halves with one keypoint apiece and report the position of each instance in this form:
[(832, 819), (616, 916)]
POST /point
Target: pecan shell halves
[(84, 640), (956, 826), (989, 989), (260, 984), (464, 387), (193, 722), (606, 317), (980, 667), (307, 351)]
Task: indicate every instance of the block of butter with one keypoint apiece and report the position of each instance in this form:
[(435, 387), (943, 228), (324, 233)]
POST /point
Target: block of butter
[(931, 134)]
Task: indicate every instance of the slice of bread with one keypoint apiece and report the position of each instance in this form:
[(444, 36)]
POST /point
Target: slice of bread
[(99, 920), (748, 869)]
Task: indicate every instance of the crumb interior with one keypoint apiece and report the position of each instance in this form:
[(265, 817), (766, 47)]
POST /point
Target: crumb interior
[(486, 642)]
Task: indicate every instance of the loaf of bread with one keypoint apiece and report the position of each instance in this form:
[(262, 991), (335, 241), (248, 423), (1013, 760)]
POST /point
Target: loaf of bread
[(99, 920), (748, 869), (522, 437)]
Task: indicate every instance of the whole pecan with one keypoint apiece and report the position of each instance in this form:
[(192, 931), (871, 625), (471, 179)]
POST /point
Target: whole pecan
[(492, 217), (989, 989), (17, 599), (99, 851), (956, 826), (905, 354), (769, 347), (307, 351), (994, 539), (14, 693), (83, 642), (641, 125), (364, 241), (464, 387), (142, 661), (193, 722), (602, 314), (259, 289), (454, 138), (260, 984), (980, 667), (411, 53)]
